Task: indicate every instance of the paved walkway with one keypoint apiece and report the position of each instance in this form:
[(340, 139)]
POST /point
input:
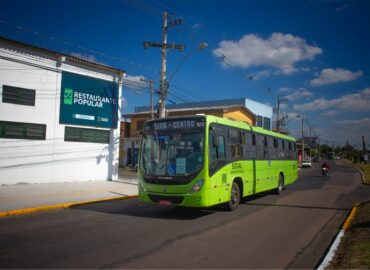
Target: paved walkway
[(22, 196)]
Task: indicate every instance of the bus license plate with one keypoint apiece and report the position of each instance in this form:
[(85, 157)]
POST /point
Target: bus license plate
[(165, 202)]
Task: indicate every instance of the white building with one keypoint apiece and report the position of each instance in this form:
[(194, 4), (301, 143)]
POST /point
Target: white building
[(59, 116), (263, 113)]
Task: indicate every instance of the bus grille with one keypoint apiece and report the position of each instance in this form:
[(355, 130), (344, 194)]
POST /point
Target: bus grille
[(172, 199)]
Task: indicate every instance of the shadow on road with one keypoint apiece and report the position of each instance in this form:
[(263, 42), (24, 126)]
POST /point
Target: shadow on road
[(134, 208), (301, 206)]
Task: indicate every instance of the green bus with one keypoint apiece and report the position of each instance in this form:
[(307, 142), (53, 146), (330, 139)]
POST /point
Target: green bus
[(204, 160)]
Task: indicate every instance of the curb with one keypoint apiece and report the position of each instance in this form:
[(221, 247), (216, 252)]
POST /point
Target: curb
[(361, 172), (362, 175), (334, 245), (32, 210)]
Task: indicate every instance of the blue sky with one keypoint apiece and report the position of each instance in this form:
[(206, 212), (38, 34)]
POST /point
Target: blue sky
[(314, 52)]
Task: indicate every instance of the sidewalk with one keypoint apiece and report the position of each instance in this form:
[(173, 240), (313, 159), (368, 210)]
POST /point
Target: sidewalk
[(21, 196)]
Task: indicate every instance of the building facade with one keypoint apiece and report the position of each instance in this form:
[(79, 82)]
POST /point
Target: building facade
[(59, 117)]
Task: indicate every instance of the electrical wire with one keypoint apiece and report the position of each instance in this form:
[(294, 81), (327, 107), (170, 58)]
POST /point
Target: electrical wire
[(144, 7), (68, 43)]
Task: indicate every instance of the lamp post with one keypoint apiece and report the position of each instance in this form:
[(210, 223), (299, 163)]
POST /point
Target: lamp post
[(201, 46)]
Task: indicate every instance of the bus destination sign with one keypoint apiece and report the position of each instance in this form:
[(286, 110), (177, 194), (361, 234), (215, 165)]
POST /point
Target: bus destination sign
[(175, 124)]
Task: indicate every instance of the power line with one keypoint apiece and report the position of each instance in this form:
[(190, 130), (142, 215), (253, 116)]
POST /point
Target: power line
[(164, 6), (68, 43), (144, 7)]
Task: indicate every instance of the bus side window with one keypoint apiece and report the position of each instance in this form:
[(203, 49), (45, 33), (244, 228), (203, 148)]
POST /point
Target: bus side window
[(250, 145), (272, 144), (216, 148), (260, 147), (235, 144)]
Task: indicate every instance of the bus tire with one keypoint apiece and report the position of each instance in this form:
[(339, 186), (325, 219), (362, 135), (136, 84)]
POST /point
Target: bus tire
[(280, 187), (234, 197)]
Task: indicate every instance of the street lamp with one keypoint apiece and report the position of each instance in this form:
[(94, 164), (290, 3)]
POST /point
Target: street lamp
[(201, 46)]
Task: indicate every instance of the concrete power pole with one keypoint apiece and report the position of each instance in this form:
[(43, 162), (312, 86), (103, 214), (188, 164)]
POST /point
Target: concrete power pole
[(164, 46), (302, 140), (278, 121)]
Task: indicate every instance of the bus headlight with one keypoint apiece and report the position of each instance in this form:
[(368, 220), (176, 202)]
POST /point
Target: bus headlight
[(197, 186)]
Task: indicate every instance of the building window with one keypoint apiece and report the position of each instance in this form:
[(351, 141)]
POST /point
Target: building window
[(73, 134), (28, 131), (17, 95), (259, 121), (266, 123)]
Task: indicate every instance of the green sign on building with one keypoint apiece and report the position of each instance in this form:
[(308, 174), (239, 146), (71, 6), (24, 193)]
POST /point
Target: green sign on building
[(88, 101)]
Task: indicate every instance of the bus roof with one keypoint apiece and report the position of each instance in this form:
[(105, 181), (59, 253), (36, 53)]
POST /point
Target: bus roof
[(232, 123), (244, 125)]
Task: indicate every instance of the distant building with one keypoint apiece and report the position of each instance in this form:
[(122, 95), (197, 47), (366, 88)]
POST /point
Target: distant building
[(263, 113), (59, 116)]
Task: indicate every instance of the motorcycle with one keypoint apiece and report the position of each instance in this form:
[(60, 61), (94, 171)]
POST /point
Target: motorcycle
[(325, 171)]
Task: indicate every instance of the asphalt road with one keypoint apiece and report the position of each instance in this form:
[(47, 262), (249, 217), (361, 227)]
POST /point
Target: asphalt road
[(292, 230)]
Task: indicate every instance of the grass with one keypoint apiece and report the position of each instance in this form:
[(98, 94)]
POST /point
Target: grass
[(354, 249)]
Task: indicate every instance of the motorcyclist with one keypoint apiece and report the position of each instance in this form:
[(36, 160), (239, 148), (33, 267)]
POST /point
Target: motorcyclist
[(325, 169), (325, 165)]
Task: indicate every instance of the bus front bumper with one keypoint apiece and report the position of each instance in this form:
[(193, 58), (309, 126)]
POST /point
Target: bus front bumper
[(188, 200)]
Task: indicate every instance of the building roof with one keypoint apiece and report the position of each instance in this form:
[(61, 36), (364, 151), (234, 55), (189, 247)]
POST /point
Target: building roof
[(59, 54), (192, 109), (199, 104)]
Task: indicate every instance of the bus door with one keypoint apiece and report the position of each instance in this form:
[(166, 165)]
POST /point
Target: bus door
[(263, 164), (217, 161), (250, 163)]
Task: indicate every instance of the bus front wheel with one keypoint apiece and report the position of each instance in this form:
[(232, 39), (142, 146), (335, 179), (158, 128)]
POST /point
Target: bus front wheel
[(234, 197)]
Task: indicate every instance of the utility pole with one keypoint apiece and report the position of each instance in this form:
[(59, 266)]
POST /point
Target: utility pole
[(163, 86), (302, 141), (310, 140), (278, 121), (151, 89)]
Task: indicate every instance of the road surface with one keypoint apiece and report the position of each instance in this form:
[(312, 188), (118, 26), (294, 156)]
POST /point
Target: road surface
[(292, 230)]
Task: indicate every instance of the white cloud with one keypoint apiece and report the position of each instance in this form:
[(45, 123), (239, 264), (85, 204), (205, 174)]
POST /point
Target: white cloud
[(301, 93), (341, 8), (196, 26), (361, 122), (124, 103), (353, 102), (352, 130), (330, 113), (88, 57), (330, 75), (292, 115), (134, 78), (285, 90), (134, 82), (305, 69), (259, 75), (281, 51)]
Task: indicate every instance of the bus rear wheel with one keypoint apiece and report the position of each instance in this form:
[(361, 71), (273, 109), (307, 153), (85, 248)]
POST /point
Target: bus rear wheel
[(234, 197)]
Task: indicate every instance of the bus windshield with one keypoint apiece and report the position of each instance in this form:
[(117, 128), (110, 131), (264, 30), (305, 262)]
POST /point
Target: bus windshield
[(172, 154)]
